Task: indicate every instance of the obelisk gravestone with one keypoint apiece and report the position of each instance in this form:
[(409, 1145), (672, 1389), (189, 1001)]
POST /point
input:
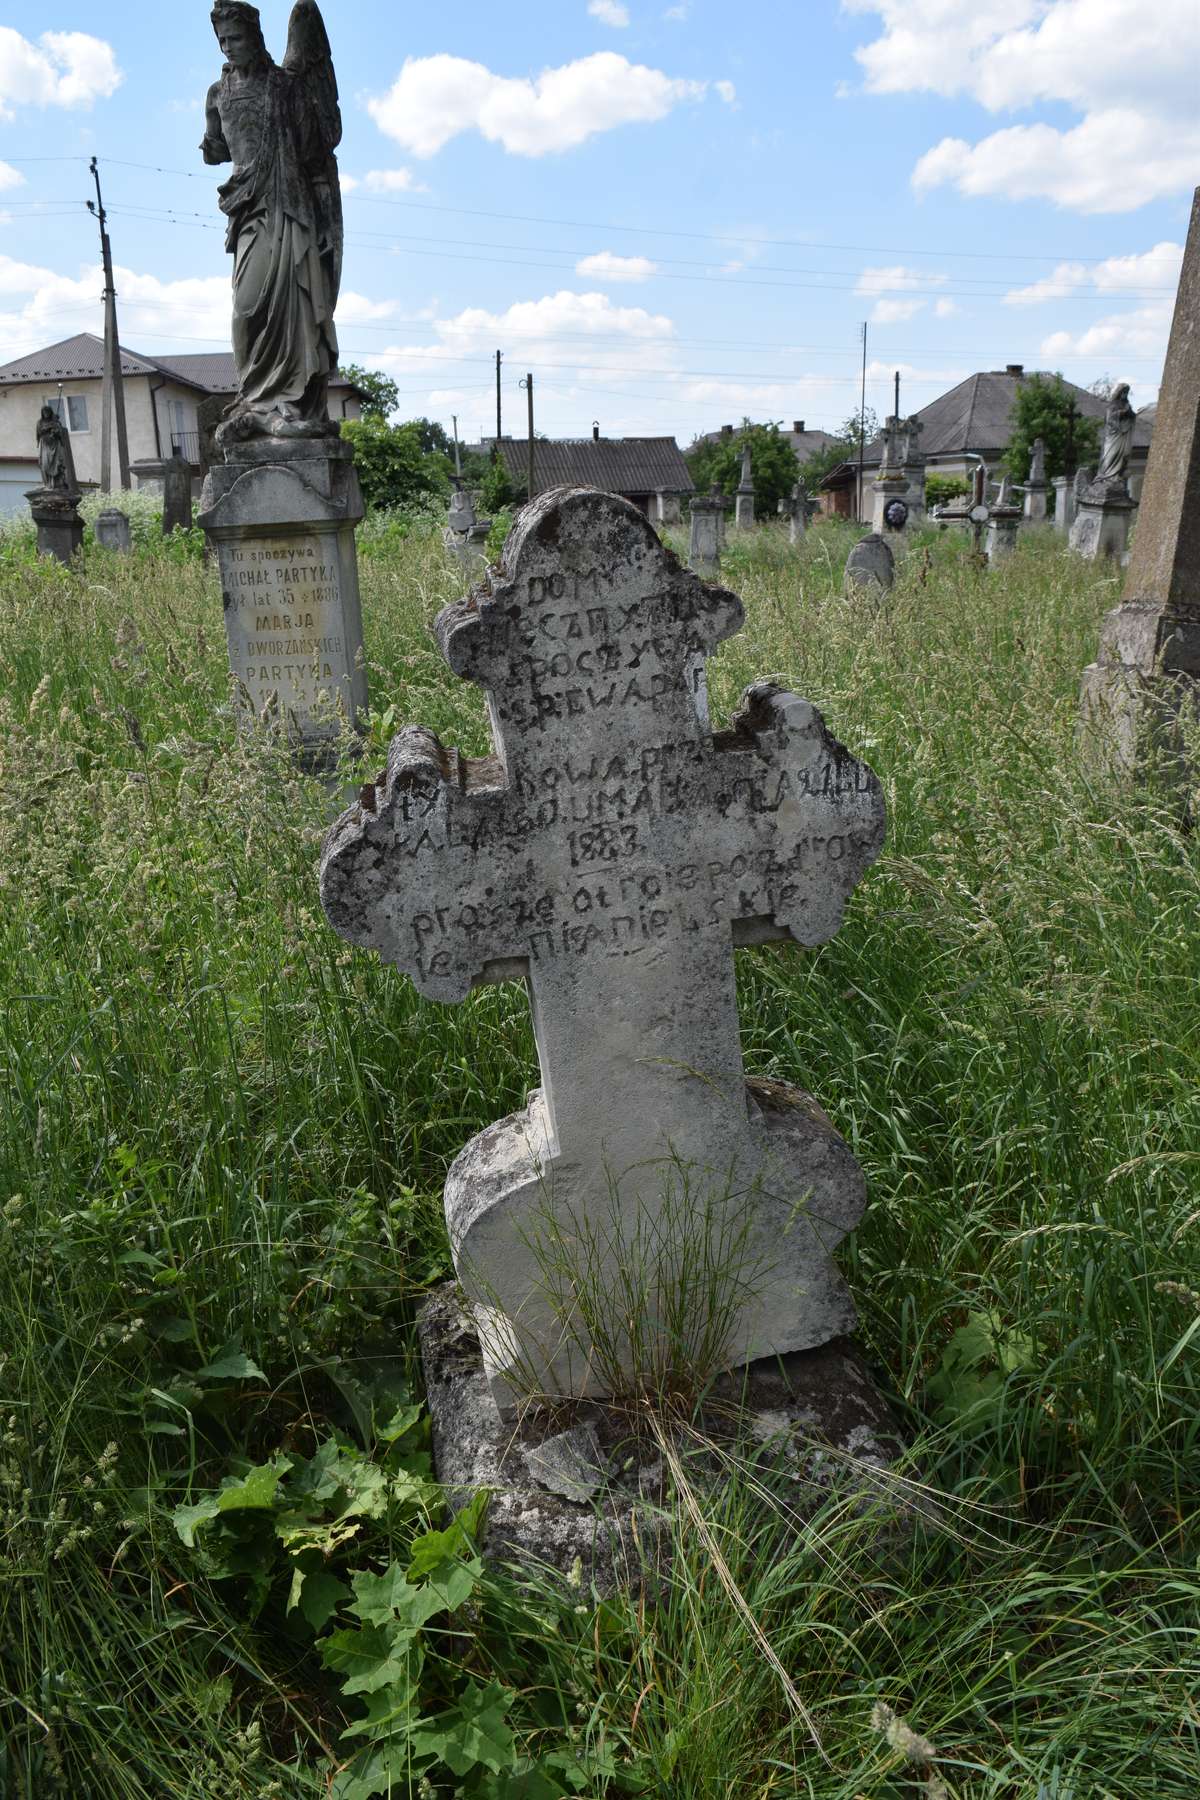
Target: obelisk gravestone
[(282, 505), (1148, 668)]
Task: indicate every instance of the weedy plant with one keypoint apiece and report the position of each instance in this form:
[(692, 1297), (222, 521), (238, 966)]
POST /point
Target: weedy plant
[(223, 1136)]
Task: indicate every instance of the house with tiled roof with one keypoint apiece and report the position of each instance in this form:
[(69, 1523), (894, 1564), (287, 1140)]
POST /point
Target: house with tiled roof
[(651, 472), (162, 397)]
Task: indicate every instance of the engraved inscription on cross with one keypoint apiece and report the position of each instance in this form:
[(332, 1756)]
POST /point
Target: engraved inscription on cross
[(613, 851)]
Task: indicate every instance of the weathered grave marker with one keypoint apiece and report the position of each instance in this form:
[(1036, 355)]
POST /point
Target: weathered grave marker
[(1148, 668), (870, 567), (177, 495), (1036, 485), (707, 526), (612, 851), (743, 517), (1105, 509), (55, 505), (112, 531)]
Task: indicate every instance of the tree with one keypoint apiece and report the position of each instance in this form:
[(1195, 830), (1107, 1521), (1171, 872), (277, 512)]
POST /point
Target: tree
[(1047, 409), (393, 467), (380, 395), (772, 462), (843, 448)]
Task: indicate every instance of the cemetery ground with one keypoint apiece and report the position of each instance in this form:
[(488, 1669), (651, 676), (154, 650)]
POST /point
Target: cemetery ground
[(223, 1141)]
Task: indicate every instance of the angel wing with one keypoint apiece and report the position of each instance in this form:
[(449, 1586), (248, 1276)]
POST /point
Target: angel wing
[(310, 59)]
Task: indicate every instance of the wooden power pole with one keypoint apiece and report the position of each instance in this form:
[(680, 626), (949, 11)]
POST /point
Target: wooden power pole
[(113, 400), (527, 384)]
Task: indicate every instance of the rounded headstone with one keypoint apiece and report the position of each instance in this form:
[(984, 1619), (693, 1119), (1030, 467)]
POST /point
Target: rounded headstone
[(870, 565)]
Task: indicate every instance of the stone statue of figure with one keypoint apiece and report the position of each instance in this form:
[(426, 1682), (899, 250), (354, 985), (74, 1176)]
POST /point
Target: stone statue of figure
[(55, 460), (279, 127), (1037, 463), (1118, 436), (747, 481)]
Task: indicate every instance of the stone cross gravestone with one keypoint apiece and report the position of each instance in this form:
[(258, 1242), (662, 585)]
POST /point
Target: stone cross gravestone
[(612, 851), (1036, 485), (1148, 667)]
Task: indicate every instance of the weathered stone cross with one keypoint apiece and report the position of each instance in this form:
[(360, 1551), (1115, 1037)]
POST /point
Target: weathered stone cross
[(612, 852)]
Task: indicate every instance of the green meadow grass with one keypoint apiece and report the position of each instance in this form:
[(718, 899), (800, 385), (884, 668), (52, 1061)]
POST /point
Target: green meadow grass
[(222, 1142)]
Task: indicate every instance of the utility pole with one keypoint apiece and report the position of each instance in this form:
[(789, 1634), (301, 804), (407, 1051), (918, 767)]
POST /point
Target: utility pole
[(862, 421), (499, 403), (457, 451), (113, 400), (896, 414), (527, 384)]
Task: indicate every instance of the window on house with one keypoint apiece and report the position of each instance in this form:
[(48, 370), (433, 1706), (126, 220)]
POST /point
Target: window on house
[(56, 406), (77, 414)]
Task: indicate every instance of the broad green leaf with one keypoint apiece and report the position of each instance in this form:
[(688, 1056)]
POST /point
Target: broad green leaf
[(231, 1366), (318, 1596), (186, 1519), (395, 1711), (400, 1423), (472, 1734), (372, 1773), (253, 1492), (370, 1659)]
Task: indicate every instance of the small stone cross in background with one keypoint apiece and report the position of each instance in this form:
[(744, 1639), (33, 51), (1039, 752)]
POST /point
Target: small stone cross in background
[(612, 852)]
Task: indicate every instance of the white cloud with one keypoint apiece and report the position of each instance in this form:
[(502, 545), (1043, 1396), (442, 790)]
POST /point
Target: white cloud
[(1065, 280), (675, 15), (393, 181), (436, 98), (893, 312), (609, 12), (605, 265), (896, 278), (565, 329), (946, 309), (1128, 68), (348, 182), (64, 68), (1140, 332), (10, 177), (726, 91), (40, 306)]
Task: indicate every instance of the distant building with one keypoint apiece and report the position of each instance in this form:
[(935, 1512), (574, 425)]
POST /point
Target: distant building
[(975, 419), (162, 395), (804, 442), (650, 472)]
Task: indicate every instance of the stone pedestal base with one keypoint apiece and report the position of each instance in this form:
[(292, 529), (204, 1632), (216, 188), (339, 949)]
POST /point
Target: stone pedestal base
[(884, 491), (588, 1495), (1064, 503), (1146, 676), (704, 549), (668, 510), (281, 514), (1101, 526), (59, 526), (112, 531), (469, 548), (1003, 529), (1035, 502), (743, 517)]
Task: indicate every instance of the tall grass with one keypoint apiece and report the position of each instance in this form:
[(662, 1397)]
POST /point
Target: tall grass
[(224, 1133)]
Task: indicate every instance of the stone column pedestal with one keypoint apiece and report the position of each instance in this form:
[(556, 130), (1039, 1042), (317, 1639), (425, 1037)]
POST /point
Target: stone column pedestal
[(281, 514), (668, 507), (59, 526), (743, 517), (1036, 506), (112, 531), (1003, 528), (885, 490), (704, 549), (1146, 675), (1064, 503), (1102, 521)]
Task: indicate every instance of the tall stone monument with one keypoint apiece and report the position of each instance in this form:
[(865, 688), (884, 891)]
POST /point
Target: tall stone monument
[(1036, 485), (611, 852), (282, 505), (891, 489), (55, 504), (743, 517), (1105, 509), (466, 533), (1148, 668)]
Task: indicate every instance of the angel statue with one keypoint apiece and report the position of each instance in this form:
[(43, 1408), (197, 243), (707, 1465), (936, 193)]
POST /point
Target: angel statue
[(55, 460), (279, 127), (1119, 422)]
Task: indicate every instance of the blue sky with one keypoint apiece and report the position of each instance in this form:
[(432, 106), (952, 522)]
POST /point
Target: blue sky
[(673, 214)]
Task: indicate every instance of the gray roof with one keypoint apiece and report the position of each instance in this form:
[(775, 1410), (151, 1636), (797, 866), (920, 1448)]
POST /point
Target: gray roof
[(976, 416), (804, 443), (81, 358), (616, 465)]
